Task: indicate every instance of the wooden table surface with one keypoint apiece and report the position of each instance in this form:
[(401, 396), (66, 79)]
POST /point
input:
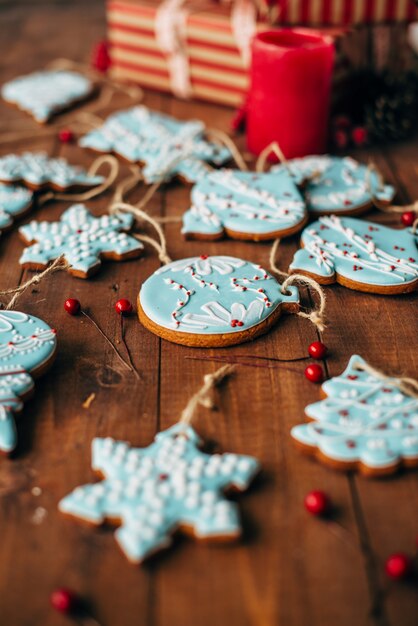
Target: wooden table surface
[(290, 569)]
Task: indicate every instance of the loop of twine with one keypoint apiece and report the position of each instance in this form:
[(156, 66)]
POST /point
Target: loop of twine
[(224, 139), (409, 386), (107, 159), (161, 245), (59, 264), (272, 148), (316, 316), (202, 397)]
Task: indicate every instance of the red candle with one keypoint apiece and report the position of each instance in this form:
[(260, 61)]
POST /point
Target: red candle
[(290, 91)]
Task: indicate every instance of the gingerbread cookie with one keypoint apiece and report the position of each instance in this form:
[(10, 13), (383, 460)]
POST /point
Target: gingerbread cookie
[(244, 205), (164, 145), (212, 301), (36, 170), (366, 422), (359, 255), (43, 94), (82, 238), (154, 492), (337, 184), (14, 203), (27, 347)]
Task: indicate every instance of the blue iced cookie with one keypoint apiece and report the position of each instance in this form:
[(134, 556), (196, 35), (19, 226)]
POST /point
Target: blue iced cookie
[(27, 346), (166, 147), (37, 170), (45, 93), (366, 422), (244, 205), (155, 491), (337, 184), (82, 238), (212, 301), (358, 254), (14, 202)]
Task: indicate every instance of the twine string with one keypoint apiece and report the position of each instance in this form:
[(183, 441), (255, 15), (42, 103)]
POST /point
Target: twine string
[(272, 148), (316, 316), (135, 210), (106, 159), (59, 264), (225, 140), (203, 396), (409, 386)]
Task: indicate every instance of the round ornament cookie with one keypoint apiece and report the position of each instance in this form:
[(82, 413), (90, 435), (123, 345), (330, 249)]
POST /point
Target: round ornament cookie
[(244, 205), (153, 492), (163, 145), (337, 184), (212, 301), (27, 348), (15, 202), (45, 93), (82, 238), (358, 254), (36, 170), (366, 422)]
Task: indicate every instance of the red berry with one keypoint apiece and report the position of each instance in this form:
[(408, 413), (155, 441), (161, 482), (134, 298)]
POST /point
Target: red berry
[(72, 306), (341, 121), (63, 600), (314, 373), (317, 503), (66, 135), (100, 58), (341, 139), (317, 350), (408, 218), (123, 306), (359, 136), (398, 566)]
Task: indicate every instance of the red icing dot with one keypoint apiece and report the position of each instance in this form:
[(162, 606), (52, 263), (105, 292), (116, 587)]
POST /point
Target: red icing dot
[(352, 377), (240, 323), (317, 503), (123, 307), (72, 306), (350, 443), (203, 257)]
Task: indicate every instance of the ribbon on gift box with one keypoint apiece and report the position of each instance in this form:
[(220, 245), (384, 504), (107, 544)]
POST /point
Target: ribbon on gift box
[(171, 36)]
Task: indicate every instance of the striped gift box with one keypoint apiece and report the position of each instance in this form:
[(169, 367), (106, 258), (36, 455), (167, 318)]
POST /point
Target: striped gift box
[(345, 12), (217, 70)]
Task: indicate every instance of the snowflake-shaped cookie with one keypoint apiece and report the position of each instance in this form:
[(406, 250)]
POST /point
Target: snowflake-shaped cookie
[(365, 423), (244, 205), (82, 238), (337, 184), (155, 491), (37, 170), (212, 301), (14, 202), (42, 94), (358, 254), (161, 143), (27, 346)]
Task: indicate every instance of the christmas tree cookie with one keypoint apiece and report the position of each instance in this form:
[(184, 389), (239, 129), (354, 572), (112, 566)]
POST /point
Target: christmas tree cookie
[(366, 422)]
